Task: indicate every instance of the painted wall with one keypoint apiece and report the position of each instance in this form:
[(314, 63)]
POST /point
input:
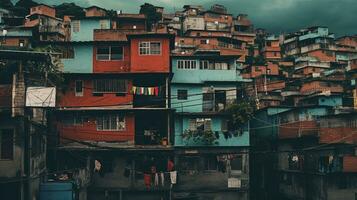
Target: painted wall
[(87, 27), (199, 76), (194, 100), (69, 99), (82, 61), (150, 63), (182, 124), (88, 131), (108, 66)]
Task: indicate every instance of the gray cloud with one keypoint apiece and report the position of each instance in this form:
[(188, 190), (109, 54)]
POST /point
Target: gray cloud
[(274, 15)]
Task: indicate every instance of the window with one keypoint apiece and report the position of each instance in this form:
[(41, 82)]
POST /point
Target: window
[(181, 94), (202, 124), (186, 64), (211, 163), (21, 43), (111, 123), (79, 88), (74, 120), (110, 53), (204, 64), (237, 163), (204, 41), (150, 48), (109, 86), (76, 26), (6, 144), (103, 24), (67, 52)]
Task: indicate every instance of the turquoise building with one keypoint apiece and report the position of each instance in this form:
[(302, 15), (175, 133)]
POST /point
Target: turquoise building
[(202, 87)]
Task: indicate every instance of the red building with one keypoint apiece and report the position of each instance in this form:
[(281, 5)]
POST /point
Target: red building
[(129, 83)]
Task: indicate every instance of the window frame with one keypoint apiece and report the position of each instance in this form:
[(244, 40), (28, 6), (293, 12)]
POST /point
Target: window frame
[(179, 97), (76, 93), (148, 48), (95, 86), (76, 29), (190, 65), (110, 117), (109, 53)]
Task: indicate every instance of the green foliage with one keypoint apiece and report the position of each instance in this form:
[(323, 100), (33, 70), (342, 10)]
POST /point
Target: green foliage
[(240, 113), (70, 9), (51, 70), (200, 136), (6, 4), (22, 7), (152, 16)]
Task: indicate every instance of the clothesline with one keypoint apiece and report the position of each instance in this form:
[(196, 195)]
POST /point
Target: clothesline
[(152, 91)]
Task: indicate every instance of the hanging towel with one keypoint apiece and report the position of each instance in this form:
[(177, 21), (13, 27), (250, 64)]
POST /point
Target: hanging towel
[(156, 182), (133, 90), (162, 179), (173, 176), (137, 90), (147, 180), (141, 90), (156, 91)]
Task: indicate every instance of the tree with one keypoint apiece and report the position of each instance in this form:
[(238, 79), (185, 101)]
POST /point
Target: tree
[(152, 16), (22, 7), (70, 9), (6, 4), (240, 113)]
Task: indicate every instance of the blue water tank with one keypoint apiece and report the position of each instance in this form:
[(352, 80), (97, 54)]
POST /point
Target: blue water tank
[(57, 191)]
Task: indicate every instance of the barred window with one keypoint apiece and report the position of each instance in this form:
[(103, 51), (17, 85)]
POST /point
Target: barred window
[(204, 64), (150, 48), (76, 25), (181, 94), (111, 123), (186, 64), (109, 86)]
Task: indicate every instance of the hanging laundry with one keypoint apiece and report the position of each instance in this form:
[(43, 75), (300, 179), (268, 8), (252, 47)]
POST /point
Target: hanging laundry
[(170, 165), (162, 177), (147, 181), (173, 176), (97, 166), (156, 180), (133, 90), (156, 90)]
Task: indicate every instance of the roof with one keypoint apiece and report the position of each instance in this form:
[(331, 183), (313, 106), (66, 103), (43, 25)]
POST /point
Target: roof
[(131, 16), (94, 6), (24, 54)]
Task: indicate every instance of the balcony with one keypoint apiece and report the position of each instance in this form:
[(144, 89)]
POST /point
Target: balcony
[(51, 29), (5, 96), (297, 129)]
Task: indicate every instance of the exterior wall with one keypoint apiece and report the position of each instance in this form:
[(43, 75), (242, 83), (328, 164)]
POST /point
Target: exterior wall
[(322, 55), (86, 29), (88, 131), (82, 61), (69, 99), (43, 10), (95, 12), (150, 63), (319, 86), (193, 23), (199, 76), (112, 66), (15, 42), (182, 124)]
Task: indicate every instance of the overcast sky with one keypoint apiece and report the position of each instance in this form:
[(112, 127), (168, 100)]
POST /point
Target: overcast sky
[(274, 15)]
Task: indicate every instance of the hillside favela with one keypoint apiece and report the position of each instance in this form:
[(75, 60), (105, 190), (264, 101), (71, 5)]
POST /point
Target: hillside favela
[(190, 103)]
